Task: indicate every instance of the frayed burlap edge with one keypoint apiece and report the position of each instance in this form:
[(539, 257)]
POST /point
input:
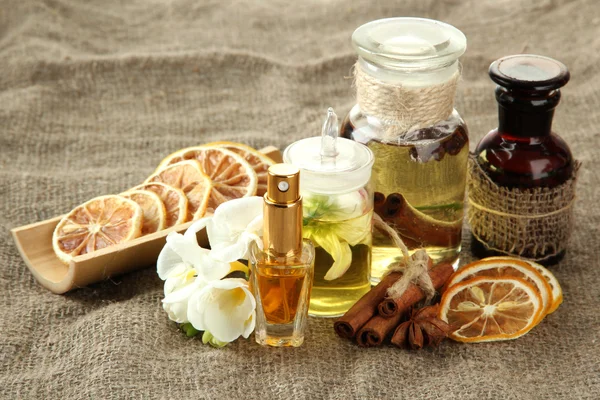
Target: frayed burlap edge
[(532, 223)]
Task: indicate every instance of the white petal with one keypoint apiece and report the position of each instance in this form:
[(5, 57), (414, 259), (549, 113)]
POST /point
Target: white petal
[(219, 234), (229, 253), (249, 325), (166, 262), (167, 259), (174, 282), (226, 317), (232, 218), (178, 289), (177, 312), (256, 225), (197, 227), (211, 269), (239, 213), (184, 293), (186, 248), (196, 308), (230, 283)]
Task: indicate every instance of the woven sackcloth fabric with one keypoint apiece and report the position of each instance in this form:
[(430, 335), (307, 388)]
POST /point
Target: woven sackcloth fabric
[(94, 93), (534, 223)]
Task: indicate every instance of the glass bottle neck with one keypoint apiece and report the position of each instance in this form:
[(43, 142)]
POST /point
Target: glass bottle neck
[(517, 123), (526, 114)]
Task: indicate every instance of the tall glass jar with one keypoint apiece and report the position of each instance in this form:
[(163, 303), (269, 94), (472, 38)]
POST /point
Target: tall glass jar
[(337, 216), (406, 77)]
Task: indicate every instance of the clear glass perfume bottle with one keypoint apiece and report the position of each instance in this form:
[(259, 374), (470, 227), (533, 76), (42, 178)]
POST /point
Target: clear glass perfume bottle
[(282, 271), (406, 77), (338, 213)]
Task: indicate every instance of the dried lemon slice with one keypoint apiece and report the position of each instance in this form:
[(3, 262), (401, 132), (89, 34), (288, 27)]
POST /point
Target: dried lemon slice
[(259, 162), (155, 213), (557, 294), (187, 176), (486, 309), (101, 222), (232, 177), (174, 199), (506, 267)]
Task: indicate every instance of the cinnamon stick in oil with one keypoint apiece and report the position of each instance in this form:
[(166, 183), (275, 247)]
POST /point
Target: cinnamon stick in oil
[(414, 227), (365, 308), (378, 328)]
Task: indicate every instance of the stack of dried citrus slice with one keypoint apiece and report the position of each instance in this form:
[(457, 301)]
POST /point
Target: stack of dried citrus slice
[(498, 298), (186, 185)]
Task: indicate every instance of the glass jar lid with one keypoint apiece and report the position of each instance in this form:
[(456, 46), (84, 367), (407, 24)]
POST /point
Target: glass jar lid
[(409, 43), (330, 164)]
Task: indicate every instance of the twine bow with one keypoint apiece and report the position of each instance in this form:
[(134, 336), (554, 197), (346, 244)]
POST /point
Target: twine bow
[(415, 268)]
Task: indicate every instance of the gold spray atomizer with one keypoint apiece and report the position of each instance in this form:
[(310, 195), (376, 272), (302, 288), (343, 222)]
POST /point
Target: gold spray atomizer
[(283, 211)]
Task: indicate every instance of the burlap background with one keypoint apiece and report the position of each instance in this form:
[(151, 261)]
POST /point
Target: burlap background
[(94, 94)]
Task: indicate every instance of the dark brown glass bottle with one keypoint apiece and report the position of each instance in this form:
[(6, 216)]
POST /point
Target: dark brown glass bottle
[(523, 152)]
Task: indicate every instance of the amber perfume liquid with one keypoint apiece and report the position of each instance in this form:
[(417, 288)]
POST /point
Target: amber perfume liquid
[(280, 290), (332, 298), (419, 191), (281, 285)]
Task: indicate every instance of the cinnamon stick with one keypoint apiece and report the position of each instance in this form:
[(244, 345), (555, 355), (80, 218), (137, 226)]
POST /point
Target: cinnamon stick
[(365, 308), (416, 228), (378, 328), (390, 307)]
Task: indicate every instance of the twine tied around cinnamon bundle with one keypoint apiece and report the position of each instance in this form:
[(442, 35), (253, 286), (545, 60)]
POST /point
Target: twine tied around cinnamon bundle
[(415, 268), (403, 109)]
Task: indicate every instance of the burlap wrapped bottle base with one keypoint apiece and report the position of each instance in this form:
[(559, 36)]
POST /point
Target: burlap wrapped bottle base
[(531, 223)]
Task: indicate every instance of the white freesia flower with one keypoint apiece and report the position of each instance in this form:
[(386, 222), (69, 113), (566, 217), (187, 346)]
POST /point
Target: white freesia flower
[(183, 251), (226, 308), (195, 290), (234, 225), (185, 267)]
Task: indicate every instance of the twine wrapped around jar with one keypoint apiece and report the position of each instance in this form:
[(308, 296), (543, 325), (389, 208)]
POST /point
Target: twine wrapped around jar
[(404, 109), (532, 223)]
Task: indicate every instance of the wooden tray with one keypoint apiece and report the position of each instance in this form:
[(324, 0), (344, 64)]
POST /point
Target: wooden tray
[(34, 242)]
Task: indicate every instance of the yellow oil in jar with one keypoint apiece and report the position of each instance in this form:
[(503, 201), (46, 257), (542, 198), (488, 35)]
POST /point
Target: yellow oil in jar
[(419, 191), (332, 298)]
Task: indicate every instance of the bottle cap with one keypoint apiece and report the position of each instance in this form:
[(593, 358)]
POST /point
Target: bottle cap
[(283, 183), (330, 164), (529, 72), (409, 43)]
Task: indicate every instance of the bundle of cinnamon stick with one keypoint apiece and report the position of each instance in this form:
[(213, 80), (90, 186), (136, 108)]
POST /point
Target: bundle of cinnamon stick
[(375, 317)]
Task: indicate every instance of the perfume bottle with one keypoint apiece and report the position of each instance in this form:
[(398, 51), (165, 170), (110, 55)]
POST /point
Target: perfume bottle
[(282, 271), (338, 214), (406, 78)]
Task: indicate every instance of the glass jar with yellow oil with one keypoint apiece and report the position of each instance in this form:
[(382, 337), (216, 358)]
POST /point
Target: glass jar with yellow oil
[(406, 78), (337, 216)]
